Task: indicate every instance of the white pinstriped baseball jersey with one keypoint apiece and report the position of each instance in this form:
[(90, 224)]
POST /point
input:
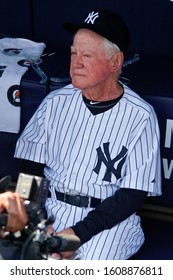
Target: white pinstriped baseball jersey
[(95, 155)]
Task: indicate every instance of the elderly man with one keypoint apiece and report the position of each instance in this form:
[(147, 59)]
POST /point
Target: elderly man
[(99, 143)]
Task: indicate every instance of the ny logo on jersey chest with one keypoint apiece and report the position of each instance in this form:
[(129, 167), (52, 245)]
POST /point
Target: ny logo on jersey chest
[(109, 163)]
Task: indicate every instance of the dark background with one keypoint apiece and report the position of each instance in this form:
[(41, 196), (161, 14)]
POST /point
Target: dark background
[(149, 21)]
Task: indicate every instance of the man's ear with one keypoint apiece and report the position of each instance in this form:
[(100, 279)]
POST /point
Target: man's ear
[(117, 61)]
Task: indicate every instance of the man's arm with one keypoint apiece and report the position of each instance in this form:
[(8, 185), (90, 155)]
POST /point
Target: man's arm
[(33, 168), (110, 212)]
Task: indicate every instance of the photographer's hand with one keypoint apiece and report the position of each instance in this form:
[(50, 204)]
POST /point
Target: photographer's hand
[(14, 206)]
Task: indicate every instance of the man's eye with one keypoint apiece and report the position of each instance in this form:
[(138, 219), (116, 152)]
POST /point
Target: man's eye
[(87, 55)]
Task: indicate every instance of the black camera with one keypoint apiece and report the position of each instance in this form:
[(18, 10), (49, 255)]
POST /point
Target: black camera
[(32, 243), (34, 191)]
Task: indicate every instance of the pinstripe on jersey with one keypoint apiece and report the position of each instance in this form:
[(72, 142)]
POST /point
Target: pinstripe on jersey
[(94, 154)]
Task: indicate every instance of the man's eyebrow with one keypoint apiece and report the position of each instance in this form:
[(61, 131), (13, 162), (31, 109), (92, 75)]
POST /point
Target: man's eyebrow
[(85, 50)]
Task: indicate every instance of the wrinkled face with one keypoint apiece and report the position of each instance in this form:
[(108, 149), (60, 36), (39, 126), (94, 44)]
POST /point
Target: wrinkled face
[(89, 66)]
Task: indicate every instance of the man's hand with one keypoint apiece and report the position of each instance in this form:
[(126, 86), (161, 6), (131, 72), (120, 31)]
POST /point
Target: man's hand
[(67, 255), (13, 204)]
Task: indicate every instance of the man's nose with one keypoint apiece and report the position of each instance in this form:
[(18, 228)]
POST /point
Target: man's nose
[(77, 61)]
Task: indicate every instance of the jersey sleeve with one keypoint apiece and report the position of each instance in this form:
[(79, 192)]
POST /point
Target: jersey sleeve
[(31, 143), (143, 168)]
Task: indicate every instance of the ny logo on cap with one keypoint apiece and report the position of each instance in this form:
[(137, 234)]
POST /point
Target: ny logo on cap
[(91, 17)]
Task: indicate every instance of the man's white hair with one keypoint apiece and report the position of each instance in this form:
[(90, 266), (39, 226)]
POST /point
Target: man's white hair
[(110, 48)]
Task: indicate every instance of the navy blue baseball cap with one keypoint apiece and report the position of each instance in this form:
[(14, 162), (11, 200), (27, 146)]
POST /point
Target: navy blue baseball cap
[(105, 23)]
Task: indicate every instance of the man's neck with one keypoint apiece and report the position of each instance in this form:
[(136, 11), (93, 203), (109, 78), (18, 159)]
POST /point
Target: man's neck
[(104, 94)]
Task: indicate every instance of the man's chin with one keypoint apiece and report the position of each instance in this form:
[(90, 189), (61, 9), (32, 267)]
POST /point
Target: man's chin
[(76, 83)]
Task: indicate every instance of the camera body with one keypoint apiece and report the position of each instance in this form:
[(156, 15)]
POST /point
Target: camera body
[(32, 243), (32, 188), (34, 191), (22, 245)]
